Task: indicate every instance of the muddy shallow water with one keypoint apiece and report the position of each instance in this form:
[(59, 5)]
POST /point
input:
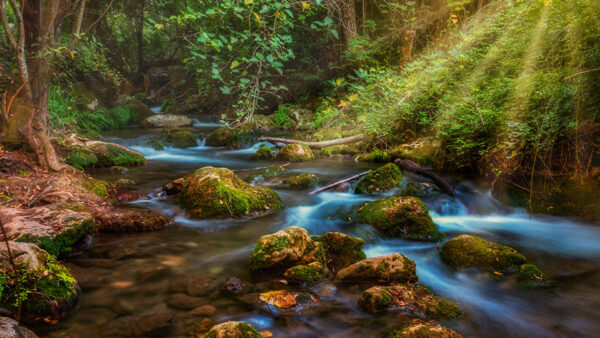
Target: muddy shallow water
[(114, 271)]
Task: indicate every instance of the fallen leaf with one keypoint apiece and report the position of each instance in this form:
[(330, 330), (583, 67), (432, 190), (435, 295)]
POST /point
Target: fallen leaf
[(267, 334), (281, 298), (315, 299), (498, 273)]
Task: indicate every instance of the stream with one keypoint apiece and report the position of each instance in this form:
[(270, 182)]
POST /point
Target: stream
[(565, 249)]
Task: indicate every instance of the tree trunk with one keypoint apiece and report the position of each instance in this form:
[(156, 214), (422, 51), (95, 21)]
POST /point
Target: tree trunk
[(407, 44), (79, 18), (140, 36), (349, 24)]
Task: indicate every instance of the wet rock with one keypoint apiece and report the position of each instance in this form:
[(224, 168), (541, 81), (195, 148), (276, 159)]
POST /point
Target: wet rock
[(9, 328), (413, 300), (299, 181), (418, 328), (203, 311), (228, 137), (263, 122), (153, 273), (263, 153), (153, 325), (116, 249), (90, 278), (418, 189), (341, 249), (166, 120), (52, 292), (174, 188), (395, 268), (112, 154), (302, 117), (284, 249), (196, 285), (235, 286), (344, 187), (54, 228), (218, 193), (421, 151), (124, 182), (178, 137), (306, 274), (184, 302), (405, 217), (381, 179), (124, 196), (231, 330), (530, 276), (296, 152), (131, 220), (261, 175), (466, 251), (205, 325)]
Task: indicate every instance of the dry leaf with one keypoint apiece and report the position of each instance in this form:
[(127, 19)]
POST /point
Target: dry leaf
[(281, 298)]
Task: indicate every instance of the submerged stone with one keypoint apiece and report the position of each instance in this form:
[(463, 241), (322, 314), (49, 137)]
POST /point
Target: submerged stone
[(381, 179), (296, 152), (263, 153), (413, 300), (405, 217), (231, 330), (218, 193), (131, 220), (298, 181), (261, 175), (466, 251), (395, 268), (112, 154), (341, 249), (530, 276), (9, 328), (178, 137)]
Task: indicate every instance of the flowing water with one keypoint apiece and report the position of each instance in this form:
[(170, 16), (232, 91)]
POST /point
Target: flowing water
[(565, 249)]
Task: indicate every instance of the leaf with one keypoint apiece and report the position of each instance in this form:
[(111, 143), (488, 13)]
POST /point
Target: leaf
[(353, 98), (281, 298), (339, 81), (343, 104), (305, 5), (225, 90)]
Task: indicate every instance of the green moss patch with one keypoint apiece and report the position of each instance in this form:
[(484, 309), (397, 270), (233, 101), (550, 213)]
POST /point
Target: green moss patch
[(381, 179), (296, 152), (306, 274), (80, 157), (341, 249), (263, 153)]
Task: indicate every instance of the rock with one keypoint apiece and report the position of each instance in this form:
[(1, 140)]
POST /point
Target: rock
[(203, 311), (306, 274), (50, 289), (341, 249), (119, 170), (155, 143), (195, 286), (421, 151), (299, 181), (235, 286), (405, 217), (340, 150), (218, 193), (178, 137), (302, 117), (9, 328), (419, 329), (530, 276), (395, 268), (263, 153), (261, 175), (182, 301), (232, 330), (418, 189), (131, 220), (228, 137), (166, 120), (263, 122), (138, 107), (153, 273), (466, 251), (381, 179), (153, 325), (295, 152), (285, 249), (54, 228), (112, 154), (124, 182), (413, 300), (344, 187), (174, 187)]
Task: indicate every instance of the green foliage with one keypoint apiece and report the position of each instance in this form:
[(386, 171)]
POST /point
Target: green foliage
[(280, 117)]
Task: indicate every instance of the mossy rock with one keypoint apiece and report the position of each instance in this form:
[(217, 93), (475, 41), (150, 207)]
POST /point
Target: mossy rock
[(261, 175), (298, 181), (228, 137), (111, 154), (530, 276), (417, 189), (155, 143), (340, 149), (306, 274), (381, 179), (413, 300), (48, 290), (80, 157), (422, 151), (420, 329), (178, 137), (394, 268), (296, 152), (405, 217), (218, 193), (284, 249), (231, 330), (341, 249), (166, 120), (466, 251), (263, 153)]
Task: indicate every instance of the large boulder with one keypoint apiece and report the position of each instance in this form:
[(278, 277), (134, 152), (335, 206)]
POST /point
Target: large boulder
[(54, 228), (178, 137), (166, 120), (285, 249), (381, 179), (466, 251), (422, 151), (296, 152), (9, 328), (395, 268), (263, 153), (47, 289), (306, 274), (131, 220), (228, 137), (341, 249), (218, 193), (405, 217), (413, 300), (232, 330), (112, 154), (420, 329)]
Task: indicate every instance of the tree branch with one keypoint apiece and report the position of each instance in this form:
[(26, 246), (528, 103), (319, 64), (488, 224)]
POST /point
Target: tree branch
[(316, 145)]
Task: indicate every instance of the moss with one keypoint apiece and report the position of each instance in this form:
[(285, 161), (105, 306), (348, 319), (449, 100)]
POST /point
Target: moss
[(394, 268), (218, 192), (341, 149), (466, 251), (405, 217), (376, 155), (300, 181), (63, 243), (263, 153), (530, 276), (97, 187), (120, 157), (155, 143), (80, 158), (178, 137), (265, 173), (296, 152), (421, 151), (228, 137), (306, 274), (419, 329), (248, 331), (381, 179), (342, 250)]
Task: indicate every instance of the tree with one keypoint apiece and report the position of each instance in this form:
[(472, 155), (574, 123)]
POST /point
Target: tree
[(33, 36)]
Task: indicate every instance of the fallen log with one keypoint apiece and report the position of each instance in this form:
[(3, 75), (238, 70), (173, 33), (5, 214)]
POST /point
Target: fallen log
[(333, 185), (316, 145), (425, 172)]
